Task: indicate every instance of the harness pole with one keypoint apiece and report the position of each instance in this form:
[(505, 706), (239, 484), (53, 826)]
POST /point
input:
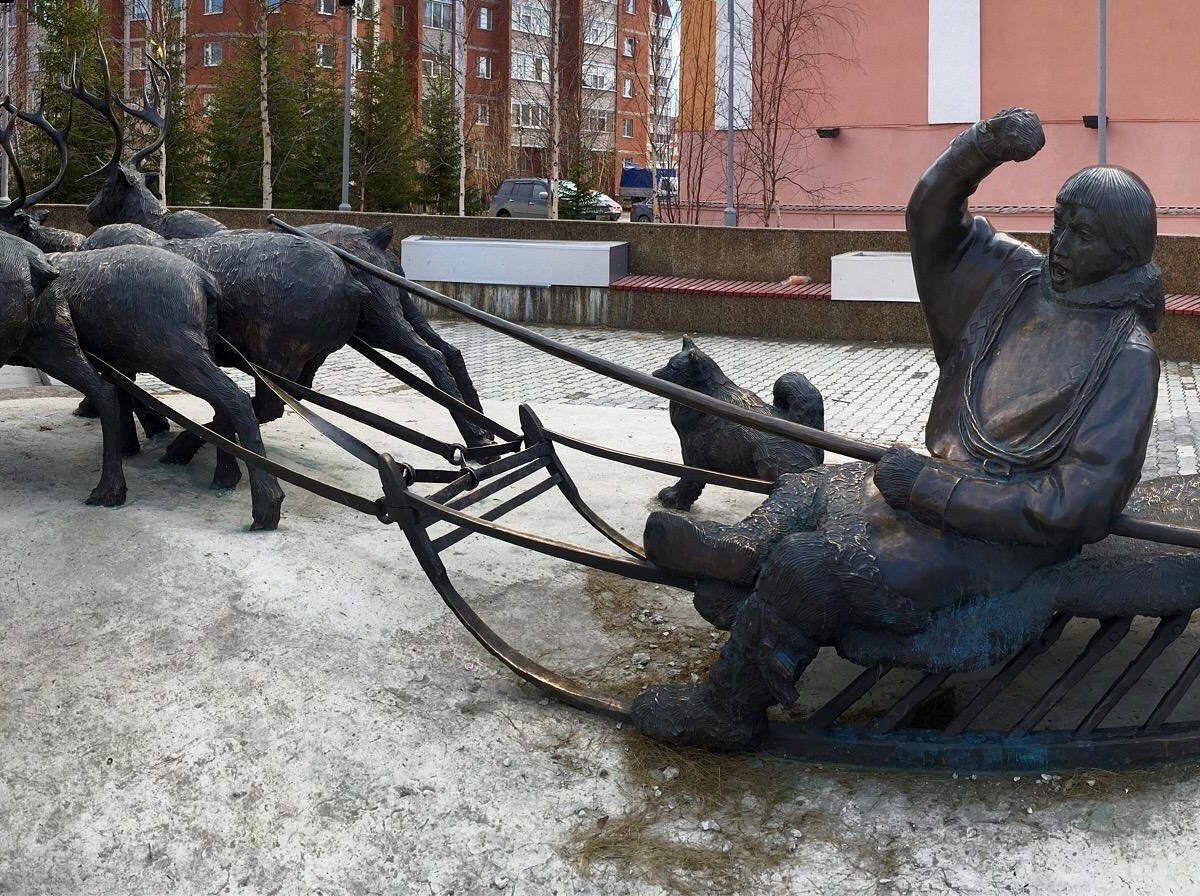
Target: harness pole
[(349, 87)]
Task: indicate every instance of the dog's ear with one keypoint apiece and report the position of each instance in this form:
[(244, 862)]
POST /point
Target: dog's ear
[(688, 345)]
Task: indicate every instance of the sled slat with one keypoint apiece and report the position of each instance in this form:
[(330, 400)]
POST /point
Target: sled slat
[(487, 471), (1014, 667), (1174, 694), (847, 697), (453, 538), (1108, 636), (906, 704), (1170, 628), (498, 484)]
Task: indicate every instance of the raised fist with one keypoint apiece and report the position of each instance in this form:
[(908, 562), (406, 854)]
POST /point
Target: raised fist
[(1011, 135)]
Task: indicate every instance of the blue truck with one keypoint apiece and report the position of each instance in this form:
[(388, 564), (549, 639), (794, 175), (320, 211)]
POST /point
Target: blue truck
[(637, 182)]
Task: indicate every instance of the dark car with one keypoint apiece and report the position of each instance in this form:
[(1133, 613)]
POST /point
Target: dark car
[(644, 211)]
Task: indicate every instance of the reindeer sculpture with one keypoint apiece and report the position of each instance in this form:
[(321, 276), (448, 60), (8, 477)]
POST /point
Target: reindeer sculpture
[(142, 309), (272, 283), (14, 217)]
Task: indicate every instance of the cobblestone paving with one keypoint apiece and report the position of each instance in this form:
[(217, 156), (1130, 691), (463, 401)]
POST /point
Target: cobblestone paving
[(873, 391)]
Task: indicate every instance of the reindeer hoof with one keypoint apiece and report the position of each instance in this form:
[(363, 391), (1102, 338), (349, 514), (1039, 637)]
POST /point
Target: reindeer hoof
[(85, 408), (224, 479), (107, 497), (671, 499)]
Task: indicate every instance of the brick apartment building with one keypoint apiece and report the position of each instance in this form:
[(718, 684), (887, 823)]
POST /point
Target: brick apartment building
[(615, 62)]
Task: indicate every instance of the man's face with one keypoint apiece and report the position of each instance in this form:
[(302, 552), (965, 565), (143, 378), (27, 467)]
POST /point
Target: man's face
[(1079, 251)]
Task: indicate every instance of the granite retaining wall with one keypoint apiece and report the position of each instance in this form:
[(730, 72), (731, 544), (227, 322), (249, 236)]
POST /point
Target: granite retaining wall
[(710, 252)]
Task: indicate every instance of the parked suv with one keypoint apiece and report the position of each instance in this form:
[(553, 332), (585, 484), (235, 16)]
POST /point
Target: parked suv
[(528, 197), (521, 197)]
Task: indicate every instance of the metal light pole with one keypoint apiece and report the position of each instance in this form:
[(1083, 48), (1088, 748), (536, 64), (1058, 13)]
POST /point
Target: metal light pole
[(6, 8), (1102, 111), (730, 208), (349, 4)]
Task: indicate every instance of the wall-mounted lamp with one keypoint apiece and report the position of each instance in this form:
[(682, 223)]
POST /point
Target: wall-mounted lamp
[(1092, 122), (828, 133)]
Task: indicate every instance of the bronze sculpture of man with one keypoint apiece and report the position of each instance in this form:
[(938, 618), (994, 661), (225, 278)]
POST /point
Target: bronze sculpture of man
[(1037, 434)]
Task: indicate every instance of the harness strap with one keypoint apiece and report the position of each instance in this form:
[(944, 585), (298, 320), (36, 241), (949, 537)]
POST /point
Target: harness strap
[(370, 507), (445, 399)]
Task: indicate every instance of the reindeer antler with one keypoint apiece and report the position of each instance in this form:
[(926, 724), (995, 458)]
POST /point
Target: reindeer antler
[(6, 135), (102, 104), (59, 136), (154, 96)]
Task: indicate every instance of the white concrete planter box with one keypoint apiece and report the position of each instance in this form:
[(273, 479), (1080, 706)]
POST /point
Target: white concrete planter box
[(873, 276), (514, 262)]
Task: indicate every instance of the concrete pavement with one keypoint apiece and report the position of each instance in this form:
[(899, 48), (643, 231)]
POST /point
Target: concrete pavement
[(191, 708)]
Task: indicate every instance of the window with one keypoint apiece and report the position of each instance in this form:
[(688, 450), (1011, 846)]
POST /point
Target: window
[(12, 15), (438, 14), (273, 5), (139, 13), (531, 18), (630, 46), (326, 55), (327, 7), (365, 9), (212, 7), (398, 15), (598, 76), (530, 67), (631, 6), (601, 33), (433, 67), (599, 121), (627, 127), (482, 114), (212, 54), (530, 115), (627, 88), (485, 19), (483, 66)]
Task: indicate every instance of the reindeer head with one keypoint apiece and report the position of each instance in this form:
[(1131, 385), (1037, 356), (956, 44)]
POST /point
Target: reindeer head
[(14, 218), (124, 197)]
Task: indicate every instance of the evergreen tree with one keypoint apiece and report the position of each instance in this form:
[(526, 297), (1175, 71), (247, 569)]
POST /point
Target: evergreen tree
[(440, 146), (233, 149), (307, 133), (574, 201), (68, 36), (384, 137), (304, 103)]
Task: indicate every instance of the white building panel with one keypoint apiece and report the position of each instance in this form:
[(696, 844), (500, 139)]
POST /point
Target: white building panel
[(743, 53), (953, 61)]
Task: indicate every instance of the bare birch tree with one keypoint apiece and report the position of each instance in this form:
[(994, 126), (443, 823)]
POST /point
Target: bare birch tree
[(787, 52), (656, 85)]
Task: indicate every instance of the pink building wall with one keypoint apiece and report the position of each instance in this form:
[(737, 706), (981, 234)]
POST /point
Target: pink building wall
[(1033, 53)]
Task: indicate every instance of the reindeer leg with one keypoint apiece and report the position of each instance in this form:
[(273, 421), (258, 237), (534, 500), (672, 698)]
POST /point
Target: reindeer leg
[(57, 352), (204, 379)]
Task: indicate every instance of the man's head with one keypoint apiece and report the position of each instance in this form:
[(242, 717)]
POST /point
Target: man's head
[(1104, 223)]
